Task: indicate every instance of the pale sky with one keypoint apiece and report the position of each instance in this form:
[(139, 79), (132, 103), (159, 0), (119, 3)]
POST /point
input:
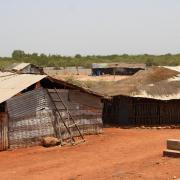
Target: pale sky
[(70, 27)]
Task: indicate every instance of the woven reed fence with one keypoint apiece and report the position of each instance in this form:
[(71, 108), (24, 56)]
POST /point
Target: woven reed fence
[(140, 111)]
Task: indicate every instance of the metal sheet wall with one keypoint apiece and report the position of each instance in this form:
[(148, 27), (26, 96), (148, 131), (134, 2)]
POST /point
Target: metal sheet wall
[(31, 116), (87, 116), (85, 99)]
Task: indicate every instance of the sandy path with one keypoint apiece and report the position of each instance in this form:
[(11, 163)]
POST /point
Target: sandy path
[(116, 154)]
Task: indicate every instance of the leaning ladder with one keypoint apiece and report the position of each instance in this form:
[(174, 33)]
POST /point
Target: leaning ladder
[(69, 118)]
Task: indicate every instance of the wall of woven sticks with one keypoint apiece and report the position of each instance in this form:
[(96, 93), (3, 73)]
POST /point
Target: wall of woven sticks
[(32, 116), (140, 111)]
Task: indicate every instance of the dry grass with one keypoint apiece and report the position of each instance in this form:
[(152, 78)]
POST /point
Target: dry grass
[(90, 82), (90, 78)]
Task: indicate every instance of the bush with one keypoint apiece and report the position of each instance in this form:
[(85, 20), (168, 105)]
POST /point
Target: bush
[(86, 61)]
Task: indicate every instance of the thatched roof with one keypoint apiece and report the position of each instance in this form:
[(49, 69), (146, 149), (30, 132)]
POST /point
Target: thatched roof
[(69, 85), (156, 83)]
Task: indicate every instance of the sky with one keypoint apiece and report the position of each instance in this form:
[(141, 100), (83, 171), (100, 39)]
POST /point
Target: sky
[(90, 27)]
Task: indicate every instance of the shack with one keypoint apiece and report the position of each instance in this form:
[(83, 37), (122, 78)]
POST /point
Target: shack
[(24, 68), (74, 70), (150, 97), (27, 113), (116, 68)]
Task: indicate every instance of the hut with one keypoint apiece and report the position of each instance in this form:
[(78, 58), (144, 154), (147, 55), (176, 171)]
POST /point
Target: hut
[(24, 68), (27, 113), (116, 68), (150, 97), (74, 70)]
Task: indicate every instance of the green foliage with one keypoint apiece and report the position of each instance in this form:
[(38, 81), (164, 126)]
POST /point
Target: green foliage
[(86, 61), (78, 56), (18, 54)]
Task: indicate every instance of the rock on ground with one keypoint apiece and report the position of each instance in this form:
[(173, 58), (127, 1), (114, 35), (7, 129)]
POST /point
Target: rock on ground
[(50, 141)]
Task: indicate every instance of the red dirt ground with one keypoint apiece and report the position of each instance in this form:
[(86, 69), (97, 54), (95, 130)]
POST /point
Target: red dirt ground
[(116, 154)]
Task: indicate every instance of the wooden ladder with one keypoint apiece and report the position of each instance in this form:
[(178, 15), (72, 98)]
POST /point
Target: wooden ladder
[(73, 124)]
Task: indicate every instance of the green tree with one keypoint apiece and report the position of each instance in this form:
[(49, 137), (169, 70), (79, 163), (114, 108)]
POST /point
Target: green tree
[(18, 54), (34, 55), (43, 55), (149, 62), (78, 56)]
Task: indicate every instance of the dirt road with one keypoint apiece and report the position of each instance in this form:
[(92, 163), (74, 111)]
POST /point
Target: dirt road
[(116, 154)]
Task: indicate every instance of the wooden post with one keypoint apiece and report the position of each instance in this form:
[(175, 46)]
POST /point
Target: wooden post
[(38, 85), (114, 72), (4, 131)]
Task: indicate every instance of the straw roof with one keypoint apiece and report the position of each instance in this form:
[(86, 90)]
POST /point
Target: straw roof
[(156, 83)]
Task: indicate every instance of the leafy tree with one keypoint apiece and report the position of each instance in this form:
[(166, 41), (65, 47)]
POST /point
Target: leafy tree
[(43, 55), (18, 54), (78, 56), (149, 62), (34, 55), (86, 61)]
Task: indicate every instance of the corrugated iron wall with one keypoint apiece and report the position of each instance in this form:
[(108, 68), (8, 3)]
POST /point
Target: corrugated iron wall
[(32, 116), (87, 115), (31, 69)]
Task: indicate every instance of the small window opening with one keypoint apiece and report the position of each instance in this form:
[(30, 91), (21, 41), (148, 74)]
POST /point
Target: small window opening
[(2, 107)]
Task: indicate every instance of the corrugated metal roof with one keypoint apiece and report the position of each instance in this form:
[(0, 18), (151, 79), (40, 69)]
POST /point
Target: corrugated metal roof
[(11, 84), (175, 68), (3, 74), (20, 66), (118, 65)]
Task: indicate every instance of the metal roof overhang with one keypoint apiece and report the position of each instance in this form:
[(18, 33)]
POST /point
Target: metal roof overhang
[(11, 84), (20, 66)]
